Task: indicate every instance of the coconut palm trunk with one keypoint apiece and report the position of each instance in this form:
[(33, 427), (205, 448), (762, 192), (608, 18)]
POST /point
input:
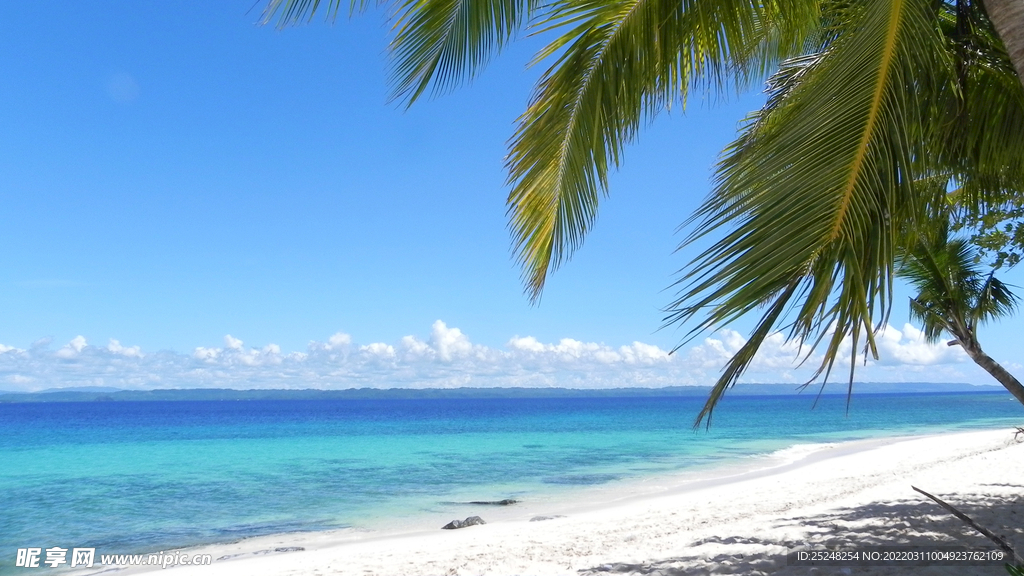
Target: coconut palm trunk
[(994, 369), (1007, 17)]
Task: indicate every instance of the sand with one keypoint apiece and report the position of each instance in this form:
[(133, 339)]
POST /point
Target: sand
[(843, 496)]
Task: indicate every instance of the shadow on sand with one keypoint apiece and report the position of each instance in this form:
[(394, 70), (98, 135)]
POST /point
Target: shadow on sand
[(911, 522)]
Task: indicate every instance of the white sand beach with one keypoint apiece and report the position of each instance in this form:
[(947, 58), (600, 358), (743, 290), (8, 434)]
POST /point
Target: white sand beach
[(849, 495)]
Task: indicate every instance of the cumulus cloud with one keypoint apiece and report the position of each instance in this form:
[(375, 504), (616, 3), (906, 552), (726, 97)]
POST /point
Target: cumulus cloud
[(378, 349), (73, 348), (449, 342), (234, 353), (338, 340), (412, 347), (908, 346), (131, 351), (574, 351), (447, 357)]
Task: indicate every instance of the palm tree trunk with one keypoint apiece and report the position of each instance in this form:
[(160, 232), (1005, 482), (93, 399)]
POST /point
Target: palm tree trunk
[(997, 371), (1008, 18)]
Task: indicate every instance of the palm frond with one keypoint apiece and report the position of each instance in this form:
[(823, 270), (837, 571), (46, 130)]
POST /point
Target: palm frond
[(292, 12), (445, 42), (939, 269), (995, 300), (953, 294), (617, 64), (814, 192), (982, 112), (745, 355), (437, 43)]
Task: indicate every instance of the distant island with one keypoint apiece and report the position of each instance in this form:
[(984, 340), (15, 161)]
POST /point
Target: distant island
[(99, 394)]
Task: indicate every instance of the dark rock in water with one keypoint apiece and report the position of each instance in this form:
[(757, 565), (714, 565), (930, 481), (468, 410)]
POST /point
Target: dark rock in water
[(456, 524), (505, 502), (540, 518)]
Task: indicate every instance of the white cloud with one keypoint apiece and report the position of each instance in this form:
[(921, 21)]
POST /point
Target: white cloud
[(571, 351), (713, 353), (339, 340), (640, 353), (447, 357), (413, 347), (234, 353), (208, 354), (903, 355), (449, 342), (73, 348), (896, 347), (378, 349), (527, 344), (116, 347)]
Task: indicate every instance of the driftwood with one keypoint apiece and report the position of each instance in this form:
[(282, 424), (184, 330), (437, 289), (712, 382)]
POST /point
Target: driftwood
[(1003, 544)]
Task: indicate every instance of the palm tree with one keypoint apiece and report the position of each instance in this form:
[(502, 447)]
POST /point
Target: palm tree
[(876, 109), (955, 297)]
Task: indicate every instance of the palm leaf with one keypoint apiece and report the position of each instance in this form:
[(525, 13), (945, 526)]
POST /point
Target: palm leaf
[(618, 64), (983, 143), (444, 42), (940, 271), (812, 196), (953, 295), (437, 43), (292, 12)]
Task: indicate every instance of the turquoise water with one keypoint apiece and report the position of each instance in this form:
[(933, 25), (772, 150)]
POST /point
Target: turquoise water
[(133, 477)]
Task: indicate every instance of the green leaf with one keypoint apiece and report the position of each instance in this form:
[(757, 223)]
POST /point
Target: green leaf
[(441, 43), (617, 64), (812, 198), (437, 43), (292, 12), (953, 294)]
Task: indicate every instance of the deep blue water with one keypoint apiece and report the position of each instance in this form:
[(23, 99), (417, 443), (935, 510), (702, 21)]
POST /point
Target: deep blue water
[(145, 476)]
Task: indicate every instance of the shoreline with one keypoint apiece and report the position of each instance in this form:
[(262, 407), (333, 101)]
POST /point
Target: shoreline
[(699, 522)]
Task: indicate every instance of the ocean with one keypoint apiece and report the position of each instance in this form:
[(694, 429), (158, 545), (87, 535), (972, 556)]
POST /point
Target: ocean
[(140, 477)]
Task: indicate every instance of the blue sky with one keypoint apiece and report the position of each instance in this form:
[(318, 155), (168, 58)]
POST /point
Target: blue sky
[(175, 174)]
